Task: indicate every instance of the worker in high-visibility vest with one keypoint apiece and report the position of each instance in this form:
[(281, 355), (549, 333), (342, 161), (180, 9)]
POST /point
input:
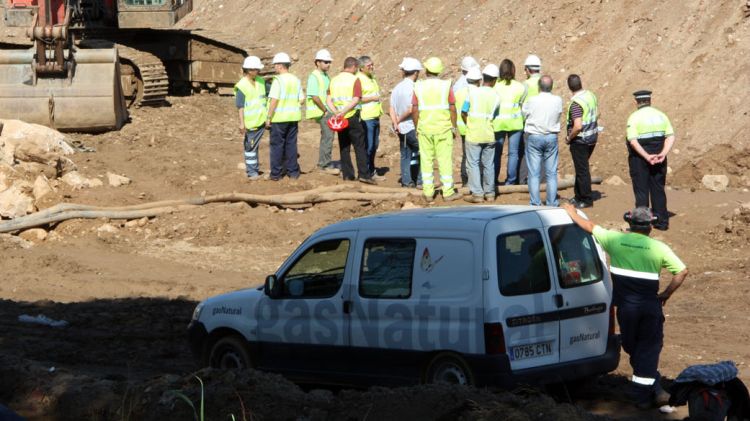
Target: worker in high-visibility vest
[(509, 122), (284, 113), (472, 79), (434, 115), (371, 111), (478, 111), (344, 96), (532, 67), (250, 98), (583, 132), (317, 89), (650, 137)]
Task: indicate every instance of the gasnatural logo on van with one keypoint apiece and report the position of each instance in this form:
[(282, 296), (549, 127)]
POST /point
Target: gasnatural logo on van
[(583, 337), (427, 264), (227, 310)]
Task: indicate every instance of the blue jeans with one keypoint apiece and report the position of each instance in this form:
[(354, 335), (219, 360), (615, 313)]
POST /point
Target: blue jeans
[(542, 149), (372, 130), (514, 155), (479, 157), (251, 144), (409, 158)]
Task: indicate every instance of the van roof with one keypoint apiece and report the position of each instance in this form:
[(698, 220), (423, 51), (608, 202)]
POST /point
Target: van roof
[(470, 215)]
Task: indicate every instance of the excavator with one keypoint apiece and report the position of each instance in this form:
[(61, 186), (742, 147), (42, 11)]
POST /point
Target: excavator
[(83, 63)]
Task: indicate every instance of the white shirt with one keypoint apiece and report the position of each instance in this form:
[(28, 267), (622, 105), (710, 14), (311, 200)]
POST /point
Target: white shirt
[(460, 83), (401, 102), (542, 114)]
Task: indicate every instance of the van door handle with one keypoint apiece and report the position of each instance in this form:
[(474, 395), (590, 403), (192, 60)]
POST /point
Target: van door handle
[(347, 306), (558, 300)]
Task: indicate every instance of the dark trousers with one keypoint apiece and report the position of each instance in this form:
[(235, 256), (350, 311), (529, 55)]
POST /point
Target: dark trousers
[(409, 158), (581, 154), (354, 135), (464, 172), (284, 150), (648, 182), (642, 334)]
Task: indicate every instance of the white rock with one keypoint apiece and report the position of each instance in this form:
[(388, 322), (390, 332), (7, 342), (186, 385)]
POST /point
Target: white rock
[(614, 181), (41, 187), (34, 234), (715, 182), (14, 202), (77, 181), (32, 143), (410, 205), (203, 178), (116, 180), (132, 223), (107, 228)]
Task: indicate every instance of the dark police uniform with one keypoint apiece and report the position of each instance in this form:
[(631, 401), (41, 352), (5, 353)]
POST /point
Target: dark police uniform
[(650, 127), (635, 263)]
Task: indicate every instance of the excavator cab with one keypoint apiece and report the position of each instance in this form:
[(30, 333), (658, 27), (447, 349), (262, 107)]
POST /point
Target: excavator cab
[(154, 14)]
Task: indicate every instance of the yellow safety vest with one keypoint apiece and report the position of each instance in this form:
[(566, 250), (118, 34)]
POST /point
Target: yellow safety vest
[(288, 108), (532, 85), (370, 87), (482, 105), (434, 110), (342, 91), (648, 124), (254, 108), (590, 106), (461, 96), (512, 95), (312, 110)]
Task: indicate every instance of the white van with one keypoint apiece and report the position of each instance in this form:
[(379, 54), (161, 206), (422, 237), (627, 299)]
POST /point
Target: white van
[(483, 295)]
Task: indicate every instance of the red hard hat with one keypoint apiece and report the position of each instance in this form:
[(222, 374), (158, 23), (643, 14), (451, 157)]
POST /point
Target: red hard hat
[(338, 124)]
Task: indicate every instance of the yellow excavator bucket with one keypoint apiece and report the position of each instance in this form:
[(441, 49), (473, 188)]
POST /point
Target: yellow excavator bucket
[(89, 101)]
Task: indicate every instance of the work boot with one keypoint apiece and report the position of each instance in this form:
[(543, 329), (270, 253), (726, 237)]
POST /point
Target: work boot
[(429, 199), (474, 199), (331, 170), (367, 181), (454, 196), (490, 197)]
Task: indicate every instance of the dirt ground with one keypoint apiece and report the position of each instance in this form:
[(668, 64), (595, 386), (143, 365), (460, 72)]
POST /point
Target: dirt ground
[(128, 293), (128, 290)]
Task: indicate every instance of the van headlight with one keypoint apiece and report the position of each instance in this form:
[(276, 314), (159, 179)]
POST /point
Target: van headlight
[(197, 311)]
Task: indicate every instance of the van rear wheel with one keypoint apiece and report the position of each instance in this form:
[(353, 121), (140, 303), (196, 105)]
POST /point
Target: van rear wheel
[(230, 352), (447, 368)]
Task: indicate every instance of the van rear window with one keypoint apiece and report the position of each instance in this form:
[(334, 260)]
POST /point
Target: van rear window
[(575, 255), (522, 263), (387, 268)]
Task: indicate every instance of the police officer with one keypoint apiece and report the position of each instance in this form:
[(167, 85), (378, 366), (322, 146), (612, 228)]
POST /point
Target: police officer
[(635, 263), (650, 138)]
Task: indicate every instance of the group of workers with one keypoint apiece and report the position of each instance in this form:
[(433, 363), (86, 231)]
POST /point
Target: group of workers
[(483, 109)]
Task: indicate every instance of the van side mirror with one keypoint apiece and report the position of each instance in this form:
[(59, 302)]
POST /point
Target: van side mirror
[(272, 287)]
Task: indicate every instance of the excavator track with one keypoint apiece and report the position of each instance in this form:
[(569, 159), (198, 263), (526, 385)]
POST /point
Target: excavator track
[(153, 81)]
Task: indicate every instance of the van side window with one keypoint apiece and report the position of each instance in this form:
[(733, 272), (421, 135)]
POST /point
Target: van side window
[(522, 263), (387, 267), (319, 272), (575, 253)]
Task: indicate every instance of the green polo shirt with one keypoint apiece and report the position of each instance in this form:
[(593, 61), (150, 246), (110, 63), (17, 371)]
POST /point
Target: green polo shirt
[(631, 251)]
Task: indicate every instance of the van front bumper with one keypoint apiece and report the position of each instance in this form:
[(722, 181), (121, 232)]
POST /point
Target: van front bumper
[(494, 370)]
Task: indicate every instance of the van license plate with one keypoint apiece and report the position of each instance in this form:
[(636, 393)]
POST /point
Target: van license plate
[(523, 352)]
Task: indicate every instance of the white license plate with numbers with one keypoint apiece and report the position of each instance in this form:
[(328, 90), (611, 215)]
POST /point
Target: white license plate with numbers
[(523, 352)]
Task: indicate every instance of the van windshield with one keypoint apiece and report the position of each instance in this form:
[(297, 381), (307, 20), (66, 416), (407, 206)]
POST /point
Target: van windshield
[(576, 257)]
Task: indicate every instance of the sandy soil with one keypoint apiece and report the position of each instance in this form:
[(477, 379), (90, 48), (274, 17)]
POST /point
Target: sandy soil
[(128, 294)]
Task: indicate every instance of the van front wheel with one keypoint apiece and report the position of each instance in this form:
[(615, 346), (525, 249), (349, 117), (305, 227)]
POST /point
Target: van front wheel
[(230, 352), (448, 368)]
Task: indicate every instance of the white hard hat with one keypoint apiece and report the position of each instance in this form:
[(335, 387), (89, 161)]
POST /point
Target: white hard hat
[(491, 70), (468, 63), (410, 64), (474, 74), (252, 62), (323, 55), (533, 61), (281, 58)]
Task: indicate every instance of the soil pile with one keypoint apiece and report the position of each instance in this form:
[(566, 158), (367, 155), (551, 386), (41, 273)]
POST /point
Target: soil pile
[(694, 54)]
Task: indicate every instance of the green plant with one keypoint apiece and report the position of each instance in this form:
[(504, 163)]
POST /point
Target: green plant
[(196, 415)]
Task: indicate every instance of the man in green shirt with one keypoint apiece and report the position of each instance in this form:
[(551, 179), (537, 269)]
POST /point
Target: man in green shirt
[(635, 263), (317, 89)]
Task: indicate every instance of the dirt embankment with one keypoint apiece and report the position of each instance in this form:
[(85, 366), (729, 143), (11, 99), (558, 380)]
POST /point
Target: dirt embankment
[(693, 54)]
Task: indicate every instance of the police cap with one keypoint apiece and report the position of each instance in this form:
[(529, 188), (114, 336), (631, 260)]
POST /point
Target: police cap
[(642, 94)]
